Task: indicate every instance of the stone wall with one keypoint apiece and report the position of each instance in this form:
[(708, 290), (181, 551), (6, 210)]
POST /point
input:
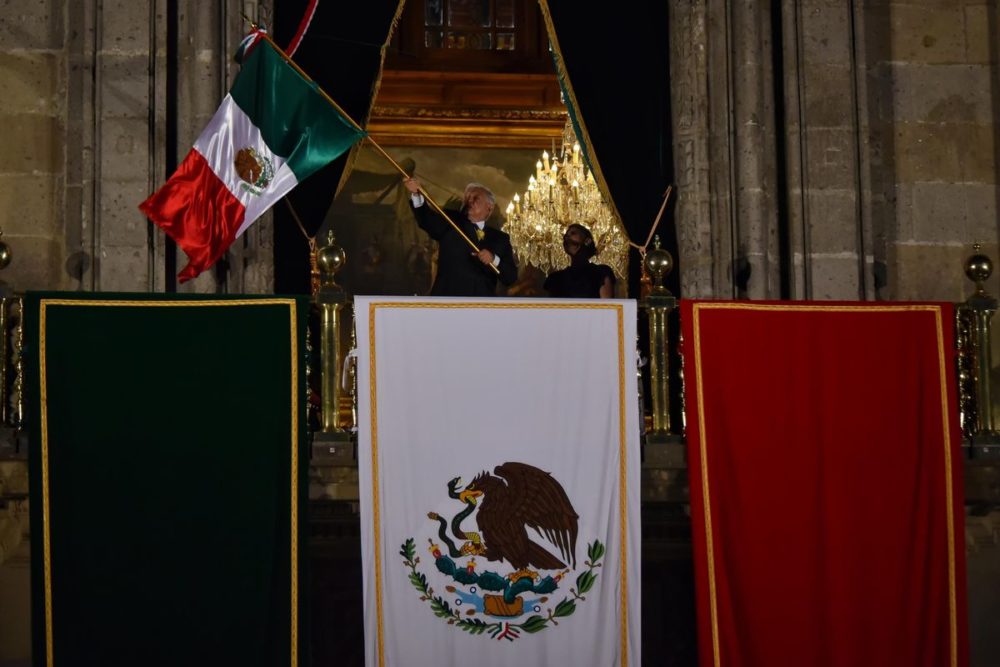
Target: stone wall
[(934, 79), (855, 141), (33, 108), (84, 112)]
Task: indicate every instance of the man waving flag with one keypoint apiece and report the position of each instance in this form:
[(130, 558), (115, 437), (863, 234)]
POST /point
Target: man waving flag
[(274, 128)]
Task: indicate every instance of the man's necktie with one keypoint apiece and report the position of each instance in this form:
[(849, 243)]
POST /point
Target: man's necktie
[(480, 234)]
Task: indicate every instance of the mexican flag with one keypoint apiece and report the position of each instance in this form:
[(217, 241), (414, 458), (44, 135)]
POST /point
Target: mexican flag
[(500, 519), (273, 129)]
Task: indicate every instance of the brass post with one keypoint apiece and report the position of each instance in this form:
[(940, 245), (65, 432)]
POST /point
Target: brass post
[(330, 360), (312, 408), (5, 359), (4, 375), (658, 305), (354, 382), (965, 361), (17, 420), (330, 298), (980, 307)]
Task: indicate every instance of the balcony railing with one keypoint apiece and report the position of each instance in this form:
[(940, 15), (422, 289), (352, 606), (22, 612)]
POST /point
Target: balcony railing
[(333, 405), (336, 407)]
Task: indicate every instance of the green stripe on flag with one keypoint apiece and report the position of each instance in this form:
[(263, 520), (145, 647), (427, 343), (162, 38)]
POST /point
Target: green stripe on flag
[(294, 119)]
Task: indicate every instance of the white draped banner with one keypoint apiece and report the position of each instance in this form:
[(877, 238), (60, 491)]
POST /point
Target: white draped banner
[(498, 452)]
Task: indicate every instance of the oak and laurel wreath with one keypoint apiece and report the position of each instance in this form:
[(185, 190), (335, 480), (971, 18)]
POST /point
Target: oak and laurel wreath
[(475, 626), (266, 169)]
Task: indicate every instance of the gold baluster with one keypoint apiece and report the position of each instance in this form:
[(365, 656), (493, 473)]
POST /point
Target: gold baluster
[(354, 380), (4, 374), (658, 305), (5, 299), (965, 361), (978, 312), (331, 298), (311, 407), (18, 416), (331, 440), (662, 447)]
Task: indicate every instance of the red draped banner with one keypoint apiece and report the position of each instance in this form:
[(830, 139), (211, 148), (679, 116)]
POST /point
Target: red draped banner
[(826, 484)]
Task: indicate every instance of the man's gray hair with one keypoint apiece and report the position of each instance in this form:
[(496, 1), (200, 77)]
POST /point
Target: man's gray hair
[(482, 188)]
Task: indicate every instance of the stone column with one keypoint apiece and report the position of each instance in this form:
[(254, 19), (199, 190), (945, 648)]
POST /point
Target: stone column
[(829, 238), (122, 37), (696, 220), (753, 146), (724, 146)]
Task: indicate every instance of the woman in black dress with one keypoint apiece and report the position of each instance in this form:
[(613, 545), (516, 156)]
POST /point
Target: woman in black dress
[(581, 279)]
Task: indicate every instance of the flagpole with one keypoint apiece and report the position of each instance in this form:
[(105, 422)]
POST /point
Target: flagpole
[(343, 113)]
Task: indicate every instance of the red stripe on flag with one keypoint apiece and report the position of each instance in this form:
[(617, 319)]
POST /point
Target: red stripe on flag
[(197, 211), (307, 18)]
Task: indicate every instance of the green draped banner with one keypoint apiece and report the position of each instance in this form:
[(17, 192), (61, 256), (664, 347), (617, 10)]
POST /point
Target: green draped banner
[(169, 472)]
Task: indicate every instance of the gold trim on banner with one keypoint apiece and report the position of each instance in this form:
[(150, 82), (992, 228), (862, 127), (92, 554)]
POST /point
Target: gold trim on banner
[(949, 491), (705, 495), (373, 401), (46, 546), (702, 448), (46, 510), (294, 521), (622, 451), (622, 486)]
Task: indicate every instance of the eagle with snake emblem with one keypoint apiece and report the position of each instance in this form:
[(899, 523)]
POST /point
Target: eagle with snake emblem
[(516, 497)]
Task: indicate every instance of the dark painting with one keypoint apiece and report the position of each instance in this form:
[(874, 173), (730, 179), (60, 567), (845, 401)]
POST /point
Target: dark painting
[(386, 252)]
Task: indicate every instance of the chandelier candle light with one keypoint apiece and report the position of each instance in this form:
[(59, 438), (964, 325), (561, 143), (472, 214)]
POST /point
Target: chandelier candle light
[(562, 192)]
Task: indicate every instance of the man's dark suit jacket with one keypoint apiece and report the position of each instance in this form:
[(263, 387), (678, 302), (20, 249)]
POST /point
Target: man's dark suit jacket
[(459, 272)]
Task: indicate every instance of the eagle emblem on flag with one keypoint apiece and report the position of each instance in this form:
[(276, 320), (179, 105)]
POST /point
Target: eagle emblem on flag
[(254, 169), (499, 579)]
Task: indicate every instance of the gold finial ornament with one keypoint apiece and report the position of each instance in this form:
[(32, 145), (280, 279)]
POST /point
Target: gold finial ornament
[(330, 259), (658, 263), (4, 252), (978, 267)]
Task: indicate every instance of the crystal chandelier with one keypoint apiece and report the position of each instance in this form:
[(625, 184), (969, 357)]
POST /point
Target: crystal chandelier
[(563, 192)]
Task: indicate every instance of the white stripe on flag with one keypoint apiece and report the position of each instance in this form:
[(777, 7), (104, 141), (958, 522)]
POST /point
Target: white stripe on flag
[(229, 132)]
